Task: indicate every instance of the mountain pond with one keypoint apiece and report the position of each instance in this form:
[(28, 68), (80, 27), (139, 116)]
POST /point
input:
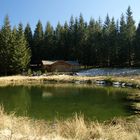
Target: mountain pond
[(62, 101)]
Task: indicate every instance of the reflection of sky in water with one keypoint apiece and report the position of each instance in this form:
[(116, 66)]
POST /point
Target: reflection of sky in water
[(46, 94)]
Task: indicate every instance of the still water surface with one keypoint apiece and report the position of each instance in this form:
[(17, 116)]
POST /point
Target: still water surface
[(63, 101)]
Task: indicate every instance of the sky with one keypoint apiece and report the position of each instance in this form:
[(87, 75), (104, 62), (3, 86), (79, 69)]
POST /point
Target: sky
[(30, 11)]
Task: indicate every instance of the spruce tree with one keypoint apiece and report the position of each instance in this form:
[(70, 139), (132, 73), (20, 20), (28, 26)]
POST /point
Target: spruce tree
[(75, 40), (38, 42), (28, 35), (5, 47), (122, 47), (80, 38), (106, 41), (21, 53), (137, 47), (29, 38), (112, 43), (89, 49), (130, 34), (117, 45), (66, 47), (48, 47), (61, 43), (98, 39), (71, 38), (58, 38)]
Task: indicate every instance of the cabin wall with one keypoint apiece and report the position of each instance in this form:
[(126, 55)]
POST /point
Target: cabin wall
[(61, 66)]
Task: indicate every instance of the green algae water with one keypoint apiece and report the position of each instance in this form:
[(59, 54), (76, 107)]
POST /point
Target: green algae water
[(54, 101)]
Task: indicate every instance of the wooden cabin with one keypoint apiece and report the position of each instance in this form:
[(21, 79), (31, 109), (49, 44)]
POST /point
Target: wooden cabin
[(60, 66)]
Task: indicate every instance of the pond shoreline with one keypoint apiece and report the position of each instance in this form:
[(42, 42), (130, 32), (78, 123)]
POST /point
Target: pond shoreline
[(117, 81)]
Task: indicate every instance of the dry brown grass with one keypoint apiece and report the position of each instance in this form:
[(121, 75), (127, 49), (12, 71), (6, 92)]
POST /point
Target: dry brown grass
[(22, 128)]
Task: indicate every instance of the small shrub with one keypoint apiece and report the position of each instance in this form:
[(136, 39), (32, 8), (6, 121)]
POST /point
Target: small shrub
[(46, 71), (29, 72), (39, 72)]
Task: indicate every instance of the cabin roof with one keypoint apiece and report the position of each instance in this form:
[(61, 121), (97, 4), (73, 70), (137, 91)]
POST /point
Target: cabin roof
[(44, 62), (47, 62), (73, 62)]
